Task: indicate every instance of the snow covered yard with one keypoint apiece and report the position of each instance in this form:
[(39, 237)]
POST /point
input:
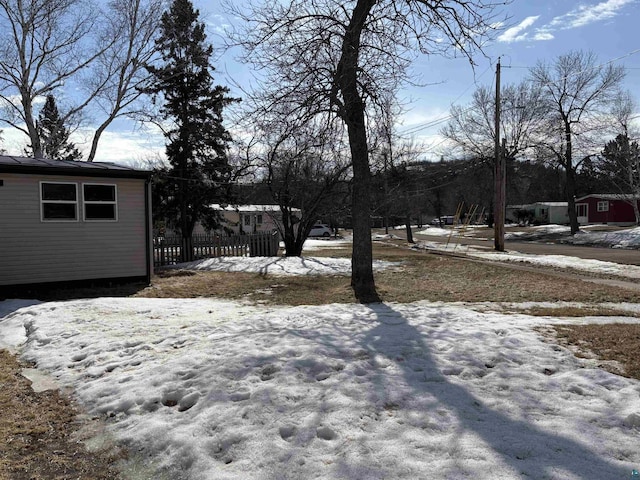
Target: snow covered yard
[(206, 388), (214, 389)]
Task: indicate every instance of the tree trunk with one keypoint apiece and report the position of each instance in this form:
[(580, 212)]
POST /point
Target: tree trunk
[(36, 145), (636, 209), (407, 220), (362, 280), (186, 248), (571, 200), (571, 180), (408, 229)]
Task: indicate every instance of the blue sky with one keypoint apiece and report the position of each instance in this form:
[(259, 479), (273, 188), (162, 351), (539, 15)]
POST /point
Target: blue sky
[(540, 30)]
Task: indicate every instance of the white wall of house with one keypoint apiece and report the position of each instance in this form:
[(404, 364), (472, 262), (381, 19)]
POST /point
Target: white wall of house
[(247, 218)]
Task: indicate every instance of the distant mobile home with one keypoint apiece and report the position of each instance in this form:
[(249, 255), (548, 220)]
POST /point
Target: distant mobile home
[(542, 212), (607, 208), (244, 219), (63, 221)]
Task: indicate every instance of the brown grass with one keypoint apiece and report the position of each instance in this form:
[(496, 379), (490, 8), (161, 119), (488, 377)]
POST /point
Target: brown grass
[(423, 276), (37, 439), (614, 345)]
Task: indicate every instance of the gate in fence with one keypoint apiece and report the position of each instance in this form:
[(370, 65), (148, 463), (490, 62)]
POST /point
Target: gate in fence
[(168, 250)]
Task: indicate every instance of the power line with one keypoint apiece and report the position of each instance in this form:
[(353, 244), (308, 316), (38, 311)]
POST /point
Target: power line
[(433, 123)]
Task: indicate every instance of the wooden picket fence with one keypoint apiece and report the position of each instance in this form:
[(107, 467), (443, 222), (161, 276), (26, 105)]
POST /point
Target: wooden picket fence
[(167, 250)]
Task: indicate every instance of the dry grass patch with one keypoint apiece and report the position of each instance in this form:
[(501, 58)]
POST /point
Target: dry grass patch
[(581, 311), (422, 276), (441, 278), (615, 345), (37, 434), (298, 290)]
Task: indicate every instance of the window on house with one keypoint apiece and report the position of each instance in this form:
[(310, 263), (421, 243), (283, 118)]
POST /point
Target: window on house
[(100, 202), (59, 201), (247, 220), (581, 209), (259, 219), (603, 206)]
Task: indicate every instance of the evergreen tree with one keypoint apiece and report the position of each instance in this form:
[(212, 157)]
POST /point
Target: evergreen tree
[(196, 141), (620, 164), (54, 136)]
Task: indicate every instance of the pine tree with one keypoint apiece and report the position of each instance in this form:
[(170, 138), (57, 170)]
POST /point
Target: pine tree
[(54, 136), (197, 141), (620, 164)]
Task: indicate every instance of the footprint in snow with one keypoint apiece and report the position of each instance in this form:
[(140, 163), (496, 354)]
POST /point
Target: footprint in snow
[(287, 431), (178, 398), (326, 433), (240, 396)]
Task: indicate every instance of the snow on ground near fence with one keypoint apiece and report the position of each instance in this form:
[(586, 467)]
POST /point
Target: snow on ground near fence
[(204, 388)]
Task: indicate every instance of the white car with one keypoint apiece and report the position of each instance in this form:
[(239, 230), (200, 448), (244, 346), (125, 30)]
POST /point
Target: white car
[(320, 230)]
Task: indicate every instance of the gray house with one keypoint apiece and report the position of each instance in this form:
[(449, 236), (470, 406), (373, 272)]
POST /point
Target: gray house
[(63, 221)]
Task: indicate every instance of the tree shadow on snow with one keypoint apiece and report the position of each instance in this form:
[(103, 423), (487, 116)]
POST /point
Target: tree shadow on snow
[(530, 451)]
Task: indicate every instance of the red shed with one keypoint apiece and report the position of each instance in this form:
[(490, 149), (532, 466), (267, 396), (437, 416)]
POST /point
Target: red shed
[(607, 208)]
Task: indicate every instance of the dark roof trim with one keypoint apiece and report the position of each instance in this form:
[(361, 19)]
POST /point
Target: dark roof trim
[(43, 166)]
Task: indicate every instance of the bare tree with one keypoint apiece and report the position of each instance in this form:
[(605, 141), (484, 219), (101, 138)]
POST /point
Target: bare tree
[(72, 45), (578, 92), (120, 71), (303, 166), (472, 127), (337, 57)]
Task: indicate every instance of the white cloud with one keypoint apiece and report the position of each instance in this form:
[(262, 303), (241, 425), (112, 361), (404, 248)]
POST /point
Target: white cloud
[(587, 14), (132, 149), (543, 36), (128, 148), (514, 34), (578, 17)]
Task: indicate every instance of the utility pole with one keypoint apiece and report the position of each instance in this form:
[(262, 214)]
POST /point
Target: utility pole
[(499, 176)]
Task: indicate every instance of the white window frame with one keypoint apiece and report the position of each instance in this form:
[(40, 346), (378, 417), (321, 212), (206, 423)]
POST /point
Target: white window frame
[(101, 202), (586, 209), (603, 206), (66, 202)]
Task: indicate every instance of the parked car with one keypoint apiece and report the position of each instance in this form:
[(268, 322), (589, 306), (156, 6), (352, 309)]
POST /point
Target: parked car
[(446, 220), (320, 230)]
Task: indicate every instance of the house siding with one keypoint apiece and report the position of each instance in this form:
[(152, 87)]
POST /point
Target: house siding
[(33, 251), (620, 211)]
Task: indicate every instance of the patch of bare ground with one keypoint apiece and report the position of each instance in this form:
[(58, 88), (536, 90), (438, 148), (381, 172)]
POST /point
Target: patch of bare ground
[(615, 346), (423, 276), (38, 434)]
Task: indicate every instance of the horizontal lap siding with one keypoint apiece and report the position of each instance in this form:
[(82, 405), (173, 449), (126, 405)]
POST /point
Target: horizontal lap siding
[(32, 251)]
